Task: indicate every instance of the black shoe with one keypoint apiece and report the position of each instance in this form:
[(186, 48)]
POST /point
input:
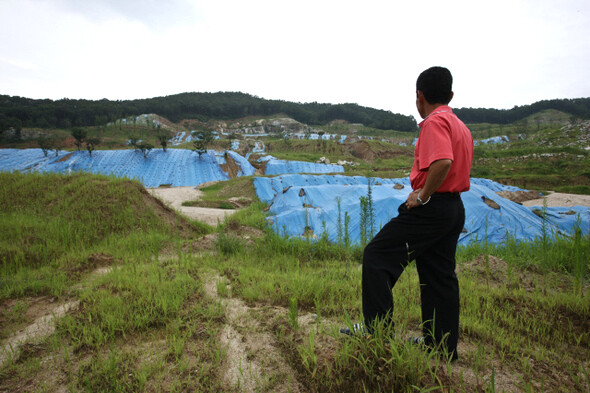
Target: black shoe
[(420, 342), (358, 329)]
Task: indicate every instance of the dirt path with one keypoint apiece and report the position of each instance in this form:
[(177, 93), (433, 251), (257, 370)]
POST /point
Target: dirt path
[(44, 325), (254, 362), (174, 196)]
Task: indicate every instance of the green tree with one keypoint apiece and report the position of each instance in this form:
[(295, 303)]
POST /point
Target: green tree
[(80, 136), (145, 148), (133, 141), (201, 139), (91, 144), (163, 137), (45, 143)]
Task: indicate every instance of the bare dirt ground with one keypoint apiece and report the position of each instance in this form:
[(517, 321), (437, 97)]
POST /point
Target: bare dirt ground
[(558, 199), (254, 361), (174, 196)]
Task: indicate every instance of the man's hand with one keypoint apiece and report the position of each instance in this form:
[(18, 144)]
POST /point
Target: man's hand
[(412, 200), (437, 172)]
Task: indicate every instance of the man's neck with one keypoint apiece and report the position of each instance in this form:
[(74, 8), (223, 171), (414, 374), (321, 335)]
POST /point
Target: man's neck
[(429, 108)]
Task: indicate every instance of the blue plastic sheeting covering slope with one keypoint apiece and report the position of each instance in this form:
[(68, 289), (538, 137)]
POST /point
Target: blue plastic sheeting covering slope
[(494, 186), (486, 223), (567, 219), (246, 168), (175, 166), (26, 159), (300, 201), (279, 167), (269, 187), (178, 138), (492, 141)]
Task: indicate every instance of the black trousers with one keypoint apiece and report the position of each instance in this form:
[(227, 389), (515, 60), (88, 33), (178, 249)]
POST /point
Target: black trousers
[(428, 234)]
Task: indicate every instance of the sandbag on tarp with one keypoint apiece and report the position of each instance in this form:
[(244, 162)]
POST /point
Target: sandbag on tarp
[(309, 204), (175, 167), (278, 167)]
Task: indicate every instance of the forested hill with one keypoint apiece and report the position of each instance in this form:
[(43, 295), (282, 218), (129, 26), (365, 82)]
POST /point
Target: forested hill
[(577, 107), (19, 112), (24, 112)]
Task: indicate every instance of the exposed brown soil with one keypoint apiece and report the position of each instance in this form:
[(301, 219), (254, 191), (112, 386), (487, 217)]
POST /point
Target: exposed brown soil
[(230, 167), (365, 151), (519, 196), (496, 272)]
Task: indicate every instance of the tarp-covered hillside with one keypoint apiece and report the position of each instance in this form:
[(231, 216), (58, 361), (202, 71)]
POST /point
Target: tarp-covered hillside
[(329, 205), (274, 166), (174, 167)]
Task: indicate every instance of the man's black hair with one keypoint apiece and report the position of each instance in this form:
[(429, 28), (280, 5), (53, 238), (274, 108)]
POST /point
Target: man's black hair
[(436, 83)]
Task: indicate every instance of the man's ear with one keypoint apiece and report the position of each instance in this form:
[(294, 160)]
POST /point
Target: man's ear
[(419, 95), (452, 94)]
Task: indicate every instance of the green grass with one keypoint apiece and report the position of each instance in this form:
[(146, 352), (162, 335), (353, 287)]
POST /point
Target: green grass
[(551, 159), (52, 224)]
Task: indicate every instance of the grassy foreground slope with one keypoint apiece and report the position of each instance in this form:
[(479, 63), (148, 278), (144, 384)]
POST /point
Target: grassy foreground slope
[(158, 303)]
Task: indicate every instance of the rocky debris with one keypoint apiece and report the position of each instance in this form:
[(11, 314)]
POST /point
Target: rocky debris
[(264, 126), (490, 203)]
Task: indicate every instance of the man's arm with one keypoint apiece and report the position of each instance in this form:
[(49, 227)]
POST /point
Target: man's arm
[(437, 172)]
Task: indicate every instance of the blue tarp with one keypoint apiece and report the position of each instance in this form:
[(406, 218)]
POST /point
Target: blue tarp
[(566, 218), (280, 167), (177, 167), (300, 201), (492, 141), (246, 168)]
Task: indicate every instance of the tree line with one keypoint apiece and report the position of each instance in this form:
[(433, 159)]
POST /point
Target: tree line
[(577, 107), (19, 112)]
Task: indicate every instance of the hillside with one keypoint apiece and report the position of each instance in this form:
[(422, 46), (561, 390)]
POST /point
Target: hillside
[(119, 294)]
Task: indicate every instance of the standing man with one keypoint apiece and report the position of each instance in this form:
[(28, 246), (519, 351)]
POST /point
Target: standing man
[(429, 222)]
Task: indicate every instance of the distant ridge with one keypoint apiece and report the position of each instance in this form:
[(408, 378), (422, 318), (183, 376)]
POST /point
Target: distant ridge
[(576, 107), (65, 113), (18, 112)]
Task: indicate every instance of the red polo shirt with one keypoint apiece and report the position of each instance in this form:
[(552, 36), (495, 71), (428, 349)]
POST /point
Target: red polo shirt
[(443, 136)]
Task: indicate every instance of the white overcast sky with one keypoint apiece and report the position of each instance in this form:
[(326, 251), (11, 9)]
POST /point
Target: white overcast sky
[(502, 53)]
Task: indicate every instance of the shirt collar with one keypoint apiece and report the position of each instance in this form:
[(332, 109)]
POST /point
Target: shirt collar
[(440, 109)]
